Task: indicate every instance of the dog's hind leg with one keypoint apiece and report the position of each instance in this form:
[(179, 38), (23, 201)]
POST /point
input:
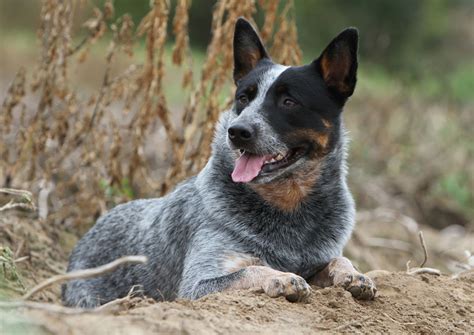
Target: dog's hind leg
[(340, 272), (272, 282)]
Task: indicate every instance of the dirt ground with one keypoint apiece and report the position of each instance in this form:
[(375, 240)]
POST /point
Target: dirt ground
[(423, 303)]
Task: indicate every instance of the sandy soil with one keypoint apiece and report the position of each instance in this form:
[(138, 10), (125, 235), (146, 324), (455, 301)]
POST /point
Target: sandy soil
[(424, 304)]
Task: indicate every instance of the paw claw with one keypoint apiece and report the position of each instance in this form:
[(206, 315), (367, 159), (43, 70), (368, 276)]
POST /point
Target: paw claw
[(360, 286), (293, 287)]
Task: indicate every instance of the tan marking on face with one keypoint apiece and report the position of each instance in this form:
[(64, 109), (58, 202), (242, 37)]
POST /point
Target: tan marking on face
[(326, 123), (320, 139), (236, 261), (289, 193)]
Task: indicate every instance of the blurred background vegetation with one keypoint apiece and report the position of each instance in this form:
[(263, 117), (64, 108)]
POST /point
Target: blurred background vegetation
[(424, 43)]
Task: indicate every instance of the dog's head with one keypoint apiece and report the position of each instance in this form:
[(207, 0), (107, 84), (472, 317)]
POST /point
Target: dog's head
[(286, 119)]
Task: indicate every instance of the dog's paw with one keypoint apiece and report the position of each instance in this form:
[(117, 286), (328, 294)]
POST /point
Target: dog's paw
[(293, 287), (359, 285)]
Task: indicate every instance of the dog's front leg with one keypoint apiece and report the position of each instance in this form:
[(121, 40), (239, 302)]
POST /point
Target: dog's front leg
[(340, 272), (272, 282)]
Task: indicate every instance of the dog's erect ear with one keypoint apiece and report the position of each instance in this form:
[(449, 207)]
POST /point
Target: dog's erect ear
[(338, 64), (248, 49)]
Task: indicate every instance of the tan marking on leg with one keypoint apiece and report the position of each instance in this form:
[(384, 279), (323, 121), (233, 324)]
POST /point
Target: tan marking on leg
[(289, 193), (274, 283), (236, 261), (254, 277), (340, 272)]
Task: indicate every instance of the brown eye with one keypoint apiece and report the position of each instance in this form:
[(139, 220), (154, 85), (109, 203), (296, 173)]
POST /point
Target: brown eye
[(243, 100), (289, 102)]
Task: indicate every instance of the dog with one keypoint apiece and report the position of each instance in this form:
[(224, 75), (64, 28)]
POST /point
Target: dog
[(270, 211)]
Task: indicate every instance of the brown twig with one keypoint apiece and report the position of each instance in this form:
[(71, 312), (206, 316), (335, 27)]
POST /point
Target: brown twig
[(341, 327), (87, 273), (52, 308), (419, 271), (79, 46), (423, 245), (21, 193), (25, 195), (21, 259), (11, 205), (111, 305)]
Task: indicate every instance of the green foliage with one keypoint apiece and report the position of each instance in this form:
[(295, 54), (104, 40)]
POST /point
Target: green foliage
[(393, 33), (137, 8), (461, 83), (425, 43), (124, 190), (10, 278), (456, 187)]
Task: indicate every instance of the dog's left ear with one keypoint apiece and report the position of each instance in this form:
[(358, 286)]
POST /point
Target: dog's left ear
[(248, 49), (338, 64)]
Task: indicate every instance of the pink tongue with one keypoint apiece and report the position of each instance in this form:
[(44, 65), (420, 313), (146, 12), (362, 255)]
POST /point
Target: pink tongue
[(247, 167)]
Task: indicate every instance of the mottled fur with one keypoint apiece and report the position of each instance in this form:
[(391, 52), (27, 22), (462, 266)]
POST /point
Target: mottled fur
[(211, 234)]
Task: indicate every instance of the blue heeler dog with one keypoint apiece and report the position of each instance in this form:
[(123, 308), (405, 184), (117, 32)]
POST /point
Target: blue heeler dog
[(270, 211)]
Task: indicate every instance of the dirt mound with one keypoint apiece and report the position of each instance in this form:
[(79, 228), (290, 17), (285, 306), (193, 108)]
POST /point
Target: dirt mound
[(415, 304), (420, 303)]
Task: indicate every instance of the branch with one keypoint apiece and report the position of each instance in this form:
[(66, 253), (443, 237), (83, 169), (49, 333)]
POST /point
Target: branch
[(20, 193), (52, 308), (423, 245), (419, 271), (25, 195), (87, 273), (11, 205), (43, 306)]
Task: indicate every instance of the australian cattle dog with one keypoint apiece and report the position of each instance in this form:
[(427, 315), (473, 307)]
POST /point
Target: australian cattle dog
[(270, 211)]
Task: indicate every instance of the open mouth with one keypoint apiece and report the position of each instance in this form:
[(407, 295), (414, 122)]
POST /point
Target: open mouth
[(248, 166)]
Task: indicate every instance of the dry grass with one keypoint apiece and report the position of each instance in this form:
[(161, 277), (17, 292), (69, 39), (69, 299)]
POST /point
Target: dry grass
[(82, 151)]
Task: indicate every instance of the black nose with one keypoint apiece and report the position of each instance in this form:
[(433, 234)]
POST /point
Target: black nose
[(240, 133)]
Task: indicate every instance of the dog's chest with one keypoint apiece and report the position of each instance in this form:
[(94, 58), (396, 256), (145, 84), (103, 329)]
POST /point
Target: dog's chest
[(300, 252), (304, 261)]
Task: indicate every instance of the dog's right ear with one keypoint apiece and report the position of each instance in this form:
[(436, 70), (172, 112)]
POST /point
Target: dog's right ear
[(248, 49)]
